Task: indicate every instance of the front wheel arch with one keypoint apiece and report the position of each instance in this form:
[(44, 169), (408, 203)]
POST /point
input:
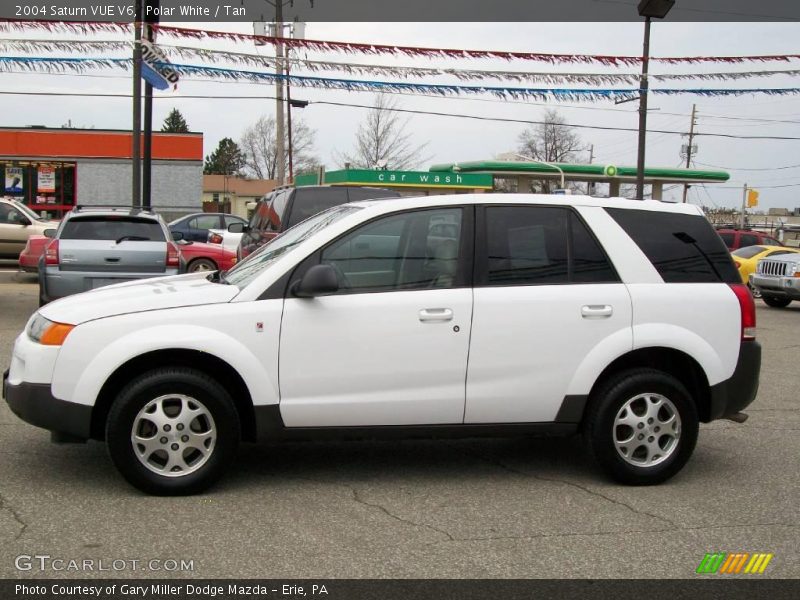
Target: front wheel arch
[(223, 372)]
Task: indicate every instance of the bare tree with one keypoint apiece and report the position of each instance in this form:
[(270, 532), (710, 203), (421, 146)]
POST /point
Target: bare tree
[(382, 140), (551, 141), (260, 148)]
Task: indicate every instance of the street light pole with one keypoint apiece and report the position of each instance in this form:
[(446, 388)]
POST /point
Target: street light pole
[(649, 9), (547, 164)]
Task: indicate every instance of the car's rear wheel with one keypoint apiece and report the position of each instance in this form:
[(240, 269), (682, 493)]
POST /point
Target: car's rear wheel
[(201, 264), (172, 431), (776, 301), (641, 426)]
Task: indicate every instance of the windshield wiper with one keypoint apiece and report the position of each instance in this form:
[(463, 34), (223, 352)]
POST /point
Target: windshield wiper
[(132, 238)]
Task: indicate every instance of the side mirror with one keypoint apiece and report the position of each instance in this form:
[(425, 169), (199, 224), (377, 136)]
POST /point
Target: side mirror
[(319, 280), (49, 233), (177, 235), (237, 227)]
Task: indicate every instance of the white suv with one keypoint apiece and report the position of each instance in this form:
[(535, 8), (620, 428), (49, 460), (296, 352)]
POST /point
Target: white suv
[(463, 315)]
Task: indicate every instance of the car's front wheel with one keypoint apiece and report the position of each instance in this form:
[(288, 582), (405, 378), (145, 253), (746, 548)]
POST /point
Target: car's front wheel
[(776, 301), (641, 426), (172, 431)]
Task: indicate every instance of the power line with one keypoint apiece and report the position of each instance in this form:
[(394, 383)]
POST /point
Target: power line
[(750, 169), (402, 110)]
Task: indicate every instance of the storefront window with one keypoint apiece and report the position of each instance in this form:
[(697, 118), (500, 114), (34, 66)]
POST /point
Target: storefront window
[(43, 186)]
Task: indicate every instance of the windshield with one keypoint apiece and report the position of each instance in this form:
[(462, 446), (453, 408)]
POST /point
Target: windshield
[(748, 251), (246, 271), (27, 211)]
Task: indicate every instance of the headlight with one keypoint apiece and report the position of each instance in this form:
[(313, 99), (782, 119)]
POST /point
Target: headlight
[(48, 333), (793, 269)]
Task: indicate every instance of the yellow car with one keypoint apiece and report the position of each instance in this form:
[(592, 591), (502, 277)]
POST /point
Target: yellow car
[(747, 258)]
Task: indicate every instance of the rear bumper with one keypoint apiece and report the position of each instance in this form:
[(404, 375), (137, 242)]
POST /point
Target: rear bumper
[(736, 393), (35, 404)]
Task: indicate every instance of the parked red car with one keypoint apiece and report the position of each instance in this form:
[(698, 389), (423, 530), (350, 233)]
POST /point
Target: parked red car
[(740, 238), (199, 256), (33, 250)]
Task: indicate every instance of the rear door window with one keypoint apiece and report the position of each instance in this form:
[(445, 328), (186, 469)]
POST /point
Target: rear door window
[(540, 245), (205, 222), (747, 239), (728, 239), (276, 212), (112, 228), (683, 248)]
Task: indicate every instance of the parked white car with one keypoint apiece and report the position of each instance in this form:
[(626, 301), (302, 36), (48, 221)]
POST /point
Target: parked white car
[(445, 315)]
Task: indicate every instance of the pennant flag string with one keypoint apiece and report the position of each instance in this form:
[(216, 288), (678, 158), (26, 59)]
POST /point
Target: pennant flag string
[(379, 49), (398, 72), (563, 94)]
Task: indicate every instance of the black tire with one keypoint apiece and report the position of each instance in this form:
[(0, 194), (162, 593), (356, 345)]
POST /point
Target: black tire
[(776, 301), (599, 427), (201, 264), (164, 382)]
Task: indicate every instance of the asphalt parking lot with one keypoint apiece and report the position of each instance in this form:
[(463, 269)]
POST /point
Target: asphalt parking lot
[(513, 508)]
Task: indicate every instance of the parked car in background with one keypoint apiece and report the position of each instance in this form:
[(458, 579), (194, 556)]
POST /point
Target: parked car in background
[(747, 258), (195, 227), (96, 247), (17, 224), (475, 314), (199, 256), (33, 251), (286, 207), (778, 279), (739, 238), (225, 238)]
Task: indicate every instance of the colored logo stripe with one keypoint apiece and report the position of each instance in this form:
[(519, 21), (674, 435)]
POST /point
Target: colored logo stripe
[(734, 563)]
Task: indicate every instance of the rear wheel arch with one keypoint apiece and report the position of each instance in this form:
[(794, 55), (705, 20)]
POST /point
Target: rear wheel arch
[(675, 363), (213, 366)]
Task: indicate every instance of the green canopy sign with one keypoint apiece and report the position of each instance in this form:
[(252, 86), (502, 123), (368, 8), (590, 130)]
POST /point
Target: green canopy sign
[(412, 179)]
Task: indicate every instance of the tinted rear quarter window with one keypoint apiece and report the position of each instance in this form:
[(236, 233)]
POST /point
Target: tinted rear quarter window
[(683, 248), (727, 239), (112, 228), (747, 239), (310, 201)]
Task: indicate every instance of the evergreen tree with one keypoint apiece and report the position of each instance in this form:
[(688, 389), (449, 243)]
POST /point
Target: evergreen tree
[(227, 159), (175, 123)]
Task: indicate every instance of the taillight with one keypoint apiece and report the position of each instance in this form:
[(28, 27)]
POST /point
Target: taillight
[(214, 238), (173, 255), (748, 310), (51, 253)]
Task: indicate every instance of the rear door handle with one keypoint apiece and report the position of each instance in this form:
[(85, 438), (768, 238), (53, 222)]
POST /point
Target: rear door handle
[(596, 311), (435, 314)]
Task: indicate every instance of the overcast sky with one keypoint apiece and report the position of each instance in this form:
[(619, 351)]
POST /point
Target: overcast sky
[(453, 139)]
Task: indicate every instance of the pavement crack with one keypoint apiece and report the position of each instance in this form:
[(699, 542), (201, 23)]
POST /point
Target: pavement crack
[(498, 463), (359, 498), (6, 506)]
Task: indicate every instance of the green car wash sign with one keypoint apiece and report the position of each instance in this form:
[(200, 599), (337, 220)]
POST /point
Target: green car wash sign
[(418, 179)]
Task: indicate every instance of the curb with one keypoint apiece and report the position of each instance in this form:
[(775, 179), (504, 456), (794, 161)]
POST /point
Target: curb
[(18, 277)]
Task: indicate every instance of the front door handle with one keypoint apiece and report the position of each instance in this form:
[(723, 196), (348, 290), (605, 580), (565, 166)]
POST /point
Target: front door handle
[(596, 311), (427, 315)]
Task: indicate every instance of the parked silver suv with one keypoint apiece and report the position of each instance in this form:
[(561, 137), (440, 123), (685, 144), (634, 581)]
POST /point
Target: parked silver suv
[(778, 279), (96, 247)]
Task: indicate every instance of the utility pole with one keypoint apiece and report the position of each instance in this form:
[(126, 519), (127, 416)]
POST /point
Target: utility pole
[(689, 149), (147, 163), (136, 189), (280, 167), (590, 185), (744, 206), (643, 88)]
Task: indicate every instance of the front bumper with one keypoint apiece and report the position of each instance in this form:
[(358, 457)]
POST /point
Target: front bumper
[(734, 394), (35, 404), (784, 287)]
